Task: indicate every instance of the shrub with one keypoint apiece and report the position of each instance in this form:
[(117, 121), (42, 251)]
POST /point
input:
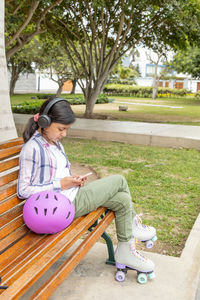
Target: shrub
[(121, 81), (76, 100), (32, 107), (197, 95), (102, 98), (140, 91), (27, 107), (44, 96)]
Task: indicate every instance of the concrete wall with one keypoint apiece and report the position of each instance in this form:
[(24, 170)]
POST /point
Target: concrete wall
[(37, 82), (26, 82)]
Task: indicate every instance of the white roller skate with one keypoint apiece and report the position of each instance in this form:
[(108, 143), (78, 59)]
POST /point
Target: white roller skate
[(143, 233), (128, 258)]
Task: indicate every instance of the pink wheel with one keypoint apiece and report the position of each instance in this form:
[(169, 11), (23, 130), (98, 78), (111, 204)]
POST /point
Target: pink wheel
[(120, 276)]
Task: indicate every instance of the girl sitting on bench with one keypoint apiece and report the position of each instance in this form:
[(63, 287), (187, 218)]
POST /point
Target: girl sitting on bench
[(45, 166)]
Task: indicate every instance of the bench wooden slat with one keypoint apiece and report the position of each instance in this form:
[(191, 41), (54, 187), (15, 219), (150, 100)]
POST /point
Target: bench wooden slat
[(9, 204), (9, 177), (11, 215), (13, 225), (21, 247), (28, 250), (22, 261), (73, 260), (11, 143), (16, 249), (12, 239), (36, 266), (8, 191), (5, 153), (34, 252), (11, 163)]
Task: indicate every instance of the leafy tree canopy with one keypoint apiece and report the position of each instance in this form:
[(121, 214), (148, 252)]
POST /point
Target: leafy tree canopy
[(187, 61), (106, 30), (23, 20)]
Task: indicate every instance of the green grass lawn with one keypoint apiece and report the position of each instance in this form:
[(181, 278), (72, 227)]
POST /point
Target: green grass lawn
[(19, 98), (182, 110), (164, 183), (189, 114)]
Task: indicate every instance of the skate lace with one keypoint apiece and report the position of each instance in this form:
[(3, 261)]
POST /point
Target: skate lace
[(135, 252), (139, 224)]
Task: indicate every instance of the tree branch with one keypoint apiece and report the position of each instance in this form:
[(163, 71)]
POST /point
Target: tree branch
[(21, 43), (26, 22), (26, 38), (72, 45)]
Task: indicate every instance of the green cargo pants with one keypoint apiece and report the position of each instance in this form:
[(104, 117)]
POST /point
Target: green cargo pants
[(113, 193)]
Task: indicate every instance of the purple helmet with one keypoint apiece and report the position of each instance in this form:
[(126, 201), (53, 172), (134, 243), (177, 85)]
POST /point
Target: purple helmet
[(48, 212)]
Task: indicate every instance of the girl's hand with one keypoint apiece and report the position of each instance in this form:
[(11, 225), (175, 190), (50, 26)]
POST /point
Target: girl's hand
[(71, 181), (82, 178)]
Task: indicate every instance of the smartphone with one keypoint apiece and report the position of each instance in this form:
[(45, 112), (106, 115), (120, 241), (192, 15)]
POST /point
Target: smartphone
[(86, 175)]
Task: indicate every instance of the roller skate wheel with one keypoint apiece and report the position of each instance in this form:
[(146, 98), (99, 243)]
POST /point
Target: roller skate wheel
[(154, 238), (149, 244), (151, 275), (142, 278), (120, 276)]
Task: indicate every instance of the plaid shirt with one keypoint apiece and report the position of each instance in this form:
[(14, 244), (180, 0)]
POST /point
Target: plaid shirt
[(37, 167)]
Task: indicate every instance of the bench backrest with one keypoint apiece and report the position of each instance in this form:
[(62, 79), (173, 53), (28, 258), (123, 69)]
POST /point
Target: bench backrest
[(12, 227)]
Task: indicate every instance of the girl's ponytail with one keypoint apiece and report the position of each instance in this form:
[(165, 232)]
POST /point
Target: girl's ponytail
[(30, 129)]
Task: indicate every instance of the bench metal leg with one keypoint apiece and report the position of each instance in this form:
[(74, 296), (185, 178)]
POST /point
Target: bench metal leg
[(111, 258), (109, 243)]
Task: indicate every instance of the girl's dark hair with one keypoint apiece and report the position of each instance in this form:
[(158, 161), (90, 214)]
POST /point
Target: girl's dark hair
[(60, 112)]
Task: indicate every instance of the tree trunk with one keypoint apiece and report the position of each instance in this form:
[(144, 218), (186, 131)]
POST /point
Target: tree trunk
[(155, 83), (7, 125), (155, 92), (12, 86), (90, 102), (91, 97), (13, 80), (59, 91), (74, 86), (88, 110)]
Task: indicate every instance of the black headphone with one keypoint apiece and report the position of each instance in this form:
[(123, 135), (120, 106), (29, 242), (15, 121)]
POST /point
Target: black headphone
[(44, 120)]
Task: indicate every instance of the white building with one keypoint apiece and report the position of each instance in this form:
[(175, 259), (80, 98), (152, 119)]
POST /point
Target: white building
[(147, 68)]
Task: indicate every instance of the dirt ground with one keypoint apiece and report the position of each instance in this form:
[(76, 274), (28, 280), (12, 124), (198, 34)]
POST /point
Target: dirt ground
[(81, 169)]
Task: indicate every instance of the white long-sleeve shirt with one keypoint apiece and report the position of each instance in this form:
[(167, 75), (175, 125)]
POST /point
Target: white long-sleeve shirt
[(40, 168)]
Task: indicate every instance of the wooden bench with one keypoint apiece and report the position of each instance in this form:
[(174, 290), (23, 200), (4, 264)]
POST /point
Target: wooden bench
[(26, 256)]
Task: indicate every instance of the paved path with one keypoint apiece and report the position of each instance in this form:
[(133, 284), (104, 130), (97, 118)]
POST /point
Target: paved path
[(147, 104), (149, 134), (138, 133)]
